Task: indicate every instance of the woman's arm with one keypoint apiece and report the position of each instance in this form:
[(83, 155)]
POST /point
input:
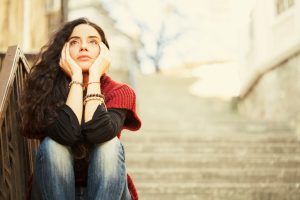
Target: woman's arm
[(93, 88), (74, 99), (99, 67), (66, 129), (105, 125), (69, 66)]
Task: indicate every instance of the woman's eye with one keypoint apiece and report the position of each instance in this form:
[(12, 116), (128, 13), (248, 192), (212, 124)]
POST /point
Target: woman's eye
[(74, 42), (94, 42)]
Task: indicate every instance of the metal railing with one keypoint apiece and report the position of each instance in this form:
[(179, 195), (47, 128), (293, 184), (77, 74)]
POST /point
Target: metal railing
[(1, 59), (17, 153)]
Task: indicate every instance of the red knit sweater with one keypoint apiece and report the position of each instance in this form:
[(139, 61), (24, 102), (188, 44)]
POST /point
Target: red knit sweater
[(120, 95), (117, 95)]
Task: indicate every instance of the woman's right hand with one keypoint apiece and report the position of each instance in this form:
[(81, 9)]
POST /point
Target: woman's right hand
[(68, 65), (102, 62)]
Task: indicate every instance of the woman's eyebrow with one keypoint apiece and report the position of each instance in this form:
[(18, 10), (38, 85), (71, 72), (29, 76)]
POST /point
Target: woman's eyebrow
[(77, 37), (92, 36), (74, 37)]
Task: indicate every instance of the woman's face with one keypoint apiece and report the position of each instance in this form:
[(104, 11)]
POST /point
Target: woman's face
[(84, 45)]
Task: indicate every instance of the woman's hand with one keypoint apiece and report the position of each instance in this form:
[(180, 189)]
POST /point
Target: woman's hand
[(68, 65), (101, 64)]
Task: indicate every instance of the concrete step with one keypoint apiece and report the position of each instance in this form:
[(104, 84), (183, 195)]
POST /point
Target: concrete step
[(215, 175), (208, 124), (198, 138), (207, 151), (170, 160), (217, 191), (215, 148)]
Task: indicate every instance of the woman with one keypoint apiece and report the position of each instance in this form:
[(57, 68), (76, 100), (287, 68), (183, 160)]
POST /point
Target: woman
[(78, 113)]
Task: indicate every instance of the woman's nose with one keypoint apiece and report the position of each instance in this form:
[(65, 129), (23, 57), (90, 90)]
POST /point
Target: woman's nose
[(83, 46)]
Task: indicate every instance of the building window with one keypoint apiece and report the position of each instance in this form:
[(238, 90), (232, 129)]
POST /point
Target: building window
[(52, 5), (53, 13), (283, 5)]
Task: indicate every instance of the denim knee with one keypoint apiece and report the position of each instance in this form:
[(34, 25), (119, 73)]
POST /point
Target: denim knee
[(53, 176), (108, 157), (55, 155)]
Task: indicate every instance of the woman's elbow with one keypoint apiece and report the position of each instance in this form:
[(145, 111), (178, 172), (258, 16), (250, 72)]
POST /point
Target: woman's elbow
[(101, 135)]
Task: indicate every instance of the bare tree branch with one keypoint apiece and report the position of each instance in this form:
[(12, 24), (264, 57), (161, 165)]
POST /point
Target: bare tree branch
[(162, 40)]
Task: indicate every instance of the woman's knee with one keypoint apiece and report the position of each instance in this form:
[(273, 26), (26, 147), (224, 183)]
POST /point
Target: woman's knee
[(55, 154), (111, 148), (109, 154), (53, 171)]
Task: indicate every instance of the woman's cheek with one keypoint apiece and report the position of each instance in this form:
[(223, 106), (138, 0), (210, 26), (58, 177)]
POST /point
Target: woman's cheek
[(98, 50), (72, 54)]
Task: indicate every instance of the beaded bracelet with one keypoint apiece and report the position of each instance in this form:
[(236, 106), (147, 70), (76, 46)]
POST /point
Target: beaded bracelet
[(75, 82), (94, 95), (93, 98)]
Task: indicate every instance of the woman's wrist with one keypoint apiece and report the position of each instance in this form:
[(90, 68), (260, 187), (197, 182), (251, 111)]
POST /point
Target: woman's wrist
[(94, 78), (77, 77)]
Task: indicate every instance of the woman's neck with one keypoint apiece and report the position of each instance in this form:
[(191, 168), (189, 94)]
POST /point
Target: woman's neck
[(85, 79)]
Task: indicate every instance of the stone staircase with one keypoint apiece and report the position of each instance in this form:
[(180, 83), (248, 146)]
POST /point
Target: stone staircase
[(206, 151)]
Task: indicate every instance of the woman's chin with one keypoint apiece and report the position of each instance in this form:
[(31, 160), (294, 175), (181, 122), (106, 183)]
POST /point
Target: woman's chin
[(85, 69)]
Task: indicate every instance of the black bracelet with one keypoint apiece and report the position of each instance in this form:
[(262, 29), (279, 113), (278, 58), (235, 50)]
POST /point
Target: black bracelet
[(93, 98), (94, 95), (75, 82)]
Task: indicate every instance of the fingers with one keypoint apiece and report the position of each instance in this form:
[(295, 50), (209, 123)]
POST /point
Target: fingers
[(104, 52), (102, 62), (63, 66), (62, 56), (63, 61), (106, 57), (67, 52), (103, 48)]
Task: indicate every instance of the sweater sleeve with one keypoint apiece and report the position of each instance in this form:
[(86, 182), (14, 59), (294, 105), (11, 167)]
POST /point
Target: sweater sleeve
[(104, 125), (124, 98), (65, 129)]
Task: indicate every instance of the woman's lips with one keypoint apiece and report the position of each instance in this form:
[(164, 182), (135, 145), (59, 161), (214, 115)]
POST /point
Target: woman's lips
[(83, 58)]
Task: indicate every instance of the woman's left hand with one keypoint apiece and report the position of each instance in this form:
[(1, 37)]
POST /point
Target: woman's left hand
[(102, 62), (67, 64)]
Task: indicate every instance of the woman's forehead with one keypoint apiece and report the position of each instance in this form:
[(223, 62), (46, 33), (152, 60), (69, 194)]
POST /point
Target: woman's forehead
[(85, 30)]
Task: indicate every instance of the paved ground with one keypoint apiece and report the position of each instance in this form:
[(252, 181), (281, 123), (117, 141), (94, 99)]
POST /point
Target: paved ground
[(198, 148)]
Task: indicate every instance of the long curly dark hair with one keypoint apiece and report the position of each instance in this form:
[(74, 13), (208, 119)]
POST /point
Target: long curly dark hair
[(46, 87)]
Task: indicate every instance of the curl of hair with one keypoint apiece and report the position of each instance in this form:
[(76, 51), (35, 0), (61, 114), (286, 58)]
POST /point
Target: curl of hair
[(46, 87)]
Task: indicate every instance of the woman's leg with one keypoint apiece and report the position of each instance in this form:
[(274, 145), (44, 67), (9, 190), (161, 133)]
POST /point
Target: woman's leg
[(107, 179), (80, 193), (53, 176)]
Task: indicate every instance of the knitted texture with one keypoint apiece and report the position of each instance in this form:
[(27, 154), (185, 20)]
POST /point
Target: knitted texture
[(120, 95)]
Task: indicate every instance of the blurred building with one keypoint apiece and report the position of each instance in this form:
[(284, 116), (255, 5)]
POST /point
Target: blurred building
[(29, 22), (123, 47), (271, 61)]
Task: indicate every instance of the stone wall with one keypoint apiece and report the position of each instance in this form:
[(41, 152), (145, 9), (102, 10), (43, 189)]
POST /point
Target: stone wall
[(276, 96), (11, 23), (39, 25)]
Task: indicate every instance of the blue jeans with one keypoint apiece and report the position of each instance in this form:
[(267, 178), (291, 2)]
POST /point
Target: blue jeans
[(54, 178)]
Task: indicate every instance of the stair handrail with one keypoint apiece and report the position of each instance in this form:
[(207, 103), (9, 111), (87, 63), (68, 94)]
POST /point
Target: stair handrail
[(16, 152), (7, 74)]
